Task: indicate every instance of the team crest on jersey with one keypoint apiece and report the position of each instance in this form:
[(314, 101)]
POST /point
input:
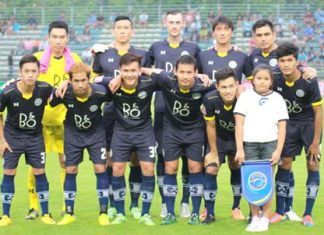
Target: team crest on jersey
[(256, 60), (196, 96), (217, 111), (232, 64), (162, 52), (210, 62), (273, 62), (142, 95), (110, 60), (185, 53), (93, 108), (300, 93), (38, 101), (16, 104)]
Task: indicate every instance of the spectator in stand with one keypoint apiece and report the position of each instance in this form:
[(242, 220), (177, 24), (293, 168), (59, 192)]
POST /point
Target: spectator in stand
[(210, 19), (309, 33), (247, 27), (203, 33), (86, 34), (31, 22), (62, 17), (322, 54), (292, 24), (100, 21), (239, 21), (73, 36), (302, 56), (112, 18), (10, 64), (308, 18), (279, 29), (143, 19), (16, 27), (190, 17), (319, 16), (92, 20), (312, 56)]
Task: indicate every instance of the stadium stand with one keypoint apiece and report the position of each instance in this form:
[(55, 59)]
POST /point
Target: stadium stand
[(289, 19)]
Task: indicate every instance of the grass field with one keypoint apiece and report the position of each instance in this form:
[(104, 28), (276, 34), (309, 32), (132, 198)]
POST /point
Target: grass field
[(86, 208)]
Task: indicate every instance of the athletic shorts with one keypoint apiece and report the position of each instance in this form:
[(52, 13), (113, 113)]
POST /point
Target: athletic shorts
[(124, 142), (225, 148), (53, 138), (298, 135), (76, 142), (177, 142), (33, 147)]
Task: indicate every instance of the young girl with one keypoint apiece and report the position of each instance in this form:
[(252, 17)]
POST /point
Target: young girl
[(260, 120)]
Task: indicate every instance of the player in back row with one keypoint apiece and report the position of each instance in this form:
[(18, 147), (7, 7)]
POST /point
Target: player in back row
[(106, 62), (163, 55), (55, 62)]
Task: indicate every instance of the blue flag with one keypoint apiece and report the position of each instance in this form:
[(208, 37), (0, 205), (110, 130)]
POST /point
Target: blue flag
[(257, 182)]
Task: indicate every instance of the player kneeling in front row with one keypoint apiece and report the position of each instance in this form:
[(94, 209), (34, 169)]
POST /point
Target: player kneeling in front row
[(83, 130), (25, 100)]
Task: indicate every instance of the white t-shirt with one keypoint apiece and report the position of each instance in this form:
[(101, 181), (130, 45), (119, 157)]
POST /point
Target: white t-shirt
[(262, 114)]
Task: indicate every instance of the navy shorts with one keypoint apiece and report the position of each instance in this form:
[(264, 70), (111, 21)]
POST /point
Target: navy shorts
[(75, 142), (225, 148), (33, 147), (108, 122), (298, 135), (259, 151), (142, 142), (177, 142)]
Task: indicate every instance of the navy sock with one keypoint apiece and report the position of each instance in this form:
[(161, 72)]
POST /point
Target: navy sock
[(160, 175), (102, 191), (170, 190), (185, 180), (236, 187), (42, 189), (110, 190), (70, 192), (147, 191), (7, 193), (196, 191), (282, 186), (135, 178), (210, 190), (119, 189), (312, 186), (290, 194)]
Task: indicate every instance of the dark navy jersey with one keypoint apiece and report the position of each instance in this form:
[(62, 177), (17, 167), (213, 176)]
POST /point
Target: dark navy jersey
[(182, 108), (133, 108), (223, 115), (209, 62), (24, 115), (300, 97), (83, 115), (164, 57), (107, 63), (257, 58)]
